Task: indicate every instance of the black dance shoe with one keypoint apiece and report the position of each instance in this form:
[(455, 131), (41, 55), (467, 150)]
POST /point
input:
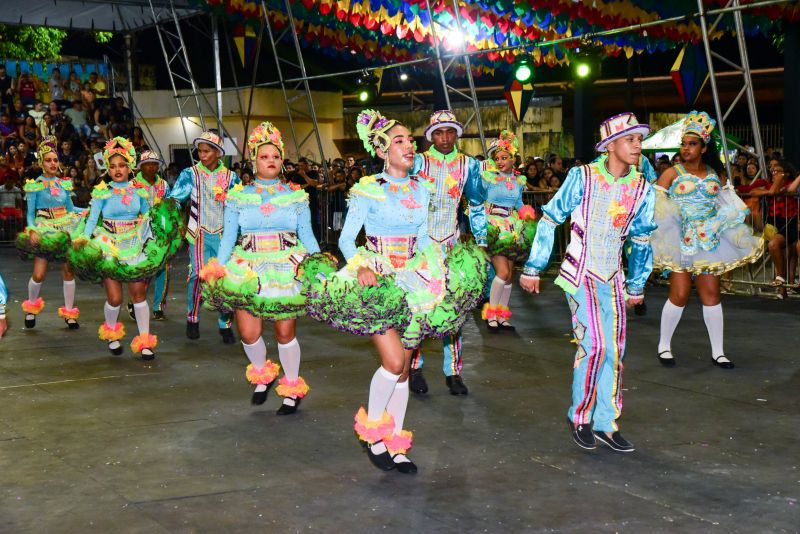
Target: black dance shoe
[(407, 468), (116, 351), (666, 361), (583, 436), (30, 320), (260, 397), (382, 461), (616, 442), (148, 355), (72, 324), (227, 336), (417, 382), (507, 326), (493, 328), (131, 313), (287, 409), (192, 330), (725, 363), (456, 385)]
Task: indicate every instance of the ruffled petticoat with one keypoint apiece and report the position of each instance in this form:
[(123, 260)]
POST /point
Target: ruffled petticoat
[(421, 293), (130, 250), (510, 232), (261, 277), (715, 244), (52, 230)]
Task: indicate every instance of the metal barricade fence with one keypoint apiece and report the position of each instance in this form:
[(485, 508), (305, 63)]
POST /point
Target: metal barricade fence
[(12, 214), (776, 220)]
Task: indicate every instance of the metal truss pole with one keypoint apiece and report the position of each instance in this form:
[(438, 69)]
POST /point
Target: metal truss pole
[(217, 70), (281, 79), (307, 87), (163, 36), (436, 44), (751, 98), (747, 88), (476, 108)]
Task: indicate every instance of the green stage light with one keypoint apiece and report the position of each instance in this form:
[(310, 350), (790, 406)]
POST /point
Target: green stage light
[(363, 95), (583, 70), (523, 69)]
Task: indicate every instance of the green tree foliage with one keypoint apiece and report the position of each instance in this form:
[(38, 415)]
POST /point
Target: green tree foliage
[(103, 37), (30, 43)]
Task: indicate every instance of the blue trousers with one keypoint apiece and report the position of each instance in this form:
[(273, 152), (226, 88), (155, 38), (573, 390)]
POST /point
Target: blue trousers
[(598, 326), (161, 283), (205, 247)]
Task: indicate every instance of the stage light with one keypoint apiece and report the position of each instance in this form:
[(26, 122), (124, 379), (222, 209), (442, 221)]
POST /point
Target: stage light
[(582, 70), (523, 69), (403, 77), (363, 95)]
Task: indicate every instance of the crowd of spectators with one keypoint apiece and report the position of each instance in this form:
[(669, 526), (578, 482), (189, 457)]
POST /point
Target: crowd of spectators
[(78, 112)]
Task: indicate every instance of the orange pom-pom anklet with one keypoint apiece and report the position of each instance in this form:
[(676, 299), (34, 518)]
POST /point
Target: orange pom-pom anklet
[(144, 341), (399, 443), (69, 313), (292, 388), (497, 313), (34, 308), (373, 431), (108, 332), (262, 376)]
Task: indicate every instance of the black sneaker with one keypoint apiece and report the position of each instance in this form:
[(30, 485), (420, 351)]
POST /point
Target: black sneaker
[(158, 315), (192, 330), (227, 336), (417, 382), (131, 313), (456, 385), (582, 435), (616, 442)]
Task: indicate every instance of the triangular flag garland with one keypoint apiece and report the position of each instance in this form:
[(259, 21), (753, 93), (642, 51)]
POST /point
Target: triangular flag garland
[(374, 32)]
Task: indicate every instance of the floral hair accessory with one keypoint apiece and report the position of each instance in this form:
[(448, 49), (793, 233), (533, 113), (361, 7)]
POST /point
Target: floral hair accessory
[(507, 142), (119, 146), (372, 128), (699, 124), (264, 134), (48, 144)]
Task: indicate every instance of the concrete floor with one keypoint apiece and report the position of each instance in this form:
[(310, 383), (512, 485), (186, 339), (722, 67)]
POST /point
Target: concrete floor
[(95, 443)]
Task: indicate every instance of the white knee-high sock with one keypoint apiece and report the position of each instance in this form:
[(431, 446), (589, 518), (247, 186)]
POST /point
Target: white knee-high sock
[(506, 296), (670, 317), (69, 294), (712, 315), (381, 390), (33, 289), (111, 314), (257, 354), (142, 312), (397, 405), (289, 355), (496, 291)]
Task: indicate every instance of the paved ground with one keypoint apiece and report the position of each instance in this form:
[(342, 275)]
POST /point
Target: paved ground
[(95, 443)]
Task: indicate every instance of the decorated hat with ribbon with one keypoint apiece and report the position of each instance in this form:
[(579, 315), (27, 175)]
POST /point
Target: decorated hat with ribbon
[(150, 156), (119, 146), (373, 128), (507, 142), (443, 119), (49, 143), (264, 134), (699, 124), (618, 126), (210, 138)]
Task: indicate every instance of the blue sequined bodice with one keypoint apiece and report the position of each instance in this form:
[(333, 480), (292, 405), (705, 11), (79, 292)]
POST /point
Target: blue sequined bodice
[(696, 197)]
